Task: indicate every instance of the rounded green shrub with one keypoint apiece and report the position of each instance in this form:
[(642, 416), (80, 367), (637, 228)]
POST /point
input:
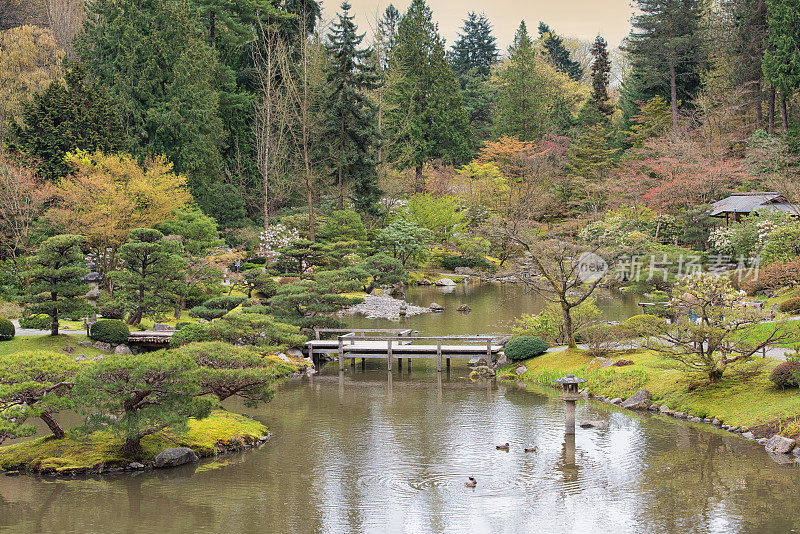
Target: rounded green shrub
[(190, 333), (786, 375), (790, 305), (7, 330), (181, 324), (216, 307), (37, 321), (109, 331), (524, 347)]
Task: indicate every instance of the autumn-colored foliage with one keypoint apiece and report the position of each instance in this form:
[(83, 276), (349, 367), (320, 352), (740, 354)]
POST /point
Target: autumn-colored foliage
[(772, 276)]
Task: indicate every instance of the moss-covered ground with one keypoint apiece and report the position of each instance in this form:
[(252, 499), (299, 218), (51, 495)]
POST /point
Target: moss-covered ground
[(59, 343), (221, 429), (741, 398)]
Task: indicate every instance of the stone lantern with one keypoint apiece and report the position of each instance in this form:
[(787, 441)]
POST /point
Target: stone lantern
[(570, 396), (93, 279)]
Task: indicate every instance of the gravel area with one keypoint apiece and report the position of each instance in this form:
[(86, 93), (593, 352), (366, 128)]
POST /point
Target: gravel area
[(383, 307)]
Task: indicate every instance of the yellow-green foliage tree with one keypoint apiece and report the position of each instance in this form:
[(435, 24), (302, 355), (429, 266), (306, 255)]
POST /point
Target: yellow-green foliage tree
[(29, 60), (111, 194)]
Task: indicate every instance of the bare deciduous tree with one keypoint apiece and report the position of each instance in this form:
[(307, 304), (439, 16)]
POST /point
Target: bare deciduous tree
[(66, 18)]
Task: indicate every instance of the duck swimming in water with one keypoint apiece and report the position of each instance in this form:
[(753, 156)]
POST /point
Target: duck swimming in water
[(472, 482), (531, 449), (502, 447)]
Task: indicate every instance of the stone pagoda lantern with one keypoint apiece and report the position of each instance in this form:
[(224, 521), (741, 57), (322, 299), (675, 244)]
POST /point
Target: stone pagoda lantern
[(93, 279), (570, 396)]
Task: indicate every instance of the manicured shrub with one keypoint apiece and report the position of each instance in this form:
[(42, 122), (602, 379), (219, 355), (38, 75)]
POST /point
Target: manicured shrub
[(189, 334), (524, 347), (216, 307), (452, 261), (112, 310), (7, 329), (109, 331), (790, 305), (37, 321), (786, 375), (181, 324)]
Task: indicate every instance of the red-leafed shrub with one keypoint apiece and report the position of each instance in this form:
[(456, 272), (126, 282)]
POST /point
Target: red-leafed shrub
[(772, 276)]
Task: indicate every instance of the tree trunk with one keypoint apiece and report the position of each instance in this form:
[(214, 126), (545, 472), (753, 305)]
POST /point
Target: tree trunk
[(715, 375), (380, 123), (759, 110), (673, 97), (784, 114), (179, 307), (569, 337), (52, 424), (132, 448), (54, 325), (136, 317), (771, 111), (419, 182)]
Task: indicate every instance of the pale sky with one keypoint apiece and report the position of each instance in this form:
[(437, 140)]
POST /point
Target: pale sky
[(575, 18)]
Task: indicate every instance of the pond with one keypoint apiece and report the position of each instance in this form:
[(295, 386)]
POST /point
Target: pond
[(494, 308), (366, 453)]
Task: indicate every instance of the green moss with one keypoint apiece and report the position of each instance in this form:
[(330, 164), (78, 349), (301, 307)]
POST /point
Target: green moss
[(88, 451), (747, 399), (47, 343)]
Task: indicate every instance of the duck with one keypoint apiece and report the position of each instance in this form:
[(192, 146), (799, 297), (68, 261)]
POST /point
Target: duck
[(531, 449), (472, 482), (502, 447)]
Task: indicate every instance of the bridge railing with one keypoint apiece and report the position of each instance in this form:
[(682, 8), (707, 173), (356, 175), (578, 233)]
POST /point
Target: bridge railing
[(362, 331)]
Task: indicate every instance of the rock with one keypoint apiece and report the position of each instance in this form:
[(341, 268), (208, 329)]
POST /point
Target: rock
[(748, 435), (284, 357), (80, 358), (98, 358), (663, 408), (707, 420), (68, 349), (122, 349), (726, 427), (782, 459), (780, 444), (295, 353), (424, 282), (464, 308), (599, 363), (476, 362), (481, 371), (502, 359), (679, 415), (638, 401), (310, 371), (653, 408), (444, 282), (734, 429), (696, 420), (135, 465), (436, 307), (85, 343), (616, 400), (763, 441), (99, 345), (744, 429), (161, 327), (174, 457), (520, 370), (716, 422), (594, 424)]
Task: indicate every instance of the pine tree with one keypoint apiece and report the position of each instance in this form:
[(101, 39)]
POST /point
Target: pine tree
[(75, 115), (475, 49), (521, 108), (666, 51), (350, 129), (426, 119), (589, 161), (601, 69), (782, 57), (558, 53), (56, 280), (152, 267)]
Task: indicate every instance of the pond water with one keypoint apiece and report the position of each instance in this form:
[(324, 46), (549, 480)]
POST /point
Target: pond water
[(366, 453), (494, 308)]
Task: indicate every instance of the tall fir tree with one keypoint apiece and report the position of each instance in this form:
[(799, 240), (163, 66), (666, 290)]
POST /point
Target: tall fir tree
[(666, 53), (601, 70), (56, 280), (522, 111), (350, 130), (426, 117), (558, 54), (475, 49), (782, 56)]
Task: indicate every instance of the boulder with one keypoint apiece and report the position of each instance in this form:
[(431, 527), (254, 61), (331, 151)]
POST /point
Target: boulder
[(481, 371), (122, 349), (638, 401), (99, 345), (296, 353), (594, 424), (464, 308), (80, 358), (436, 307), (444, 282), (161, 327), (716, 422), (98, 358), (599, 363), (653, 407), (748, 435), (780, 444), (616, 400), (424, 282), (174, 457), (135, 465), (477, 362), (284, 357), (85, 343), (680, 415), (502, 359), (520, 370)]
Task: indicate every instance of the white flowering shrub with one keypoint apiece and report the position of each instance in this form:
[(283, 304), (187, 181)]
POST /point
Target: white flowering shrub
[(274, 238)]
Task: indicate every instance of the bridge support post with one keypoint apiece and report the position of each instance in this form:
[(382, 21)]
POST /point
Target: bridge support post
[(363, 364), (353, 363), (439, 358), (341, 354), (409, 365), (448, 365), (389, 352)]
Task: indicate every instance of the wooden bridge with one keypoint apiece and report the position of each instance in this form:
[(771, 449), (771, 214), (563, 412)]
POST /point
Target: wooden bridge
[(399, 343), (151, 339)]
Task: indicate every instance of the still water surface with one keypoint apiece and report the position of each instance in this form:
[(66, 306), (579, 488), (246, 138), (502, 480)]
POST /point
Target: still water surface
[(369, 454)]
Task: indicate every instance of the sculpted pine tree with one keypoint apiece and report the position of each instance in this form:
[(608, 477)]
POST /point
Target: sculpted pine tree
[(56, 280), (426, 117), (350, 118)]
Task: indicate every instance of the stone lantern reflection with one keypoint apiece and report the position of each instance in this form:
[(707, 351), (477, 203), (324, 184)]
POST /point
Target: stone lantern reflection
[(570, 396)]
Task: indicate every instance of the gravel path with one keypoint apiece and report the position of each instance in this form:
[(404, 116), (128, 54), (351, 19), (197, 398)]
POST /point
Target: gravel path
[(32, 332)]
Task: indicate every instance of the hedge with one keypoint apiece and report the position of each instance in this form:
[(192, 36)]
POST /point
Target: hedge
[(7, 330), (109, 331), (786, 375), (524, 347)]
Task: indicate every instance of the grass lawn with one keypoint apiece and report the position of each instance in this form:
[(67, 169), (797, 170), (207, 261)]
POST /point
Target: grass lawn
[(86, 451), (749, 400), (47, 343)]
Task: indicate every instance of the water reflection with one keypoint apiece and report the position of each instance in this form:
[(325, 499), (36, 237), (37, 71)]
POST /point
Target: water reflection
[(380, 452)]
